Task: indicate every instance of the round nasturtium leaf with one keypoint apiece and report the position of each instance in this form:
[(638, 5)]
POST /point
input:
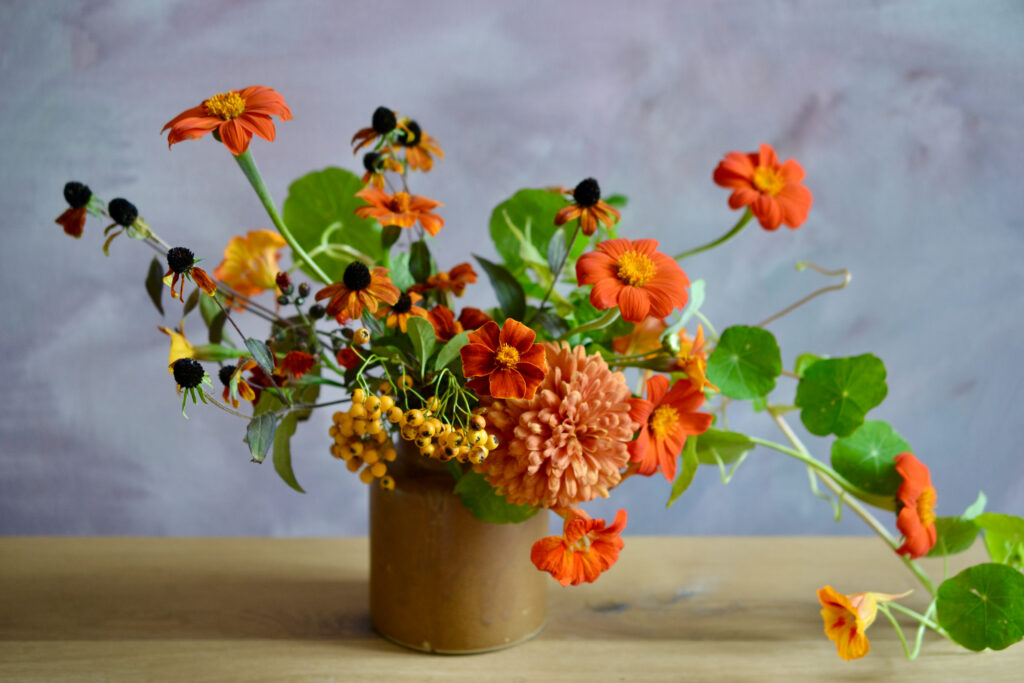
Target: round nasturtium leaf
[(717, 446), (983, 607), (745, 363), (953, 535), (866, 457), (835, 394)]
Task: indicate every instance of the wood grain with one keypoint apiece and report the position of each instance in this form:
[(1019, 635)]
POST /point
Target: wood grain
[(85, 609)]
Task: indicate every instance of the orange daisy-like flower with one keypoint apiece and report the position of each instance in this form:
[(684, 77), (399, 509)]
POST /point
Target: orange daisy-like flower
[(348, 358), (375, 164), (399, 313), (588, 207), (847, 618), (418, 146), (455, 280), (916, 497), (72, 220), (383, 123), (635, 276), (473, 318), (773, 191), (445, 325), (693, 360), (666, 419), (181, 265), (250, 263), (242, 389), (297, 363), (401, 209), (503, 363), (587, 548), (360, 289), (235, 115), (644, 339)]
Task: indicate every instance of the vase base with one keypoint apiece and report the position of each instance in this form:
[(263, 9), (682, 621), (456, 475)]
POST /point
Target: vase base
[(427, 648)]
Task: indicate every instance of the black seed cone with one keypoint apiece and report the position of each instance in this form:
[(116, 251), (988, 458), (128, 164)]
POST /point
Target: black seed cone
[(587, 193), (384, 120), (370, 162), (412, 137), (188, 373), (226, 374), (403, 305), (77, 195), (357, 276), (180, 259), (122, 211)]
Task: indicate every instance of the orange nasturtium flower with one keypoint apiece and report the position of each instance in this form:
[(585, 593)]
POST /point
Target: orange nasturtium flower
[(243, 390), (181, 264), (504, 363), (586, 548), (635, 276), (419, 146), (375, 164), (588, 207), (693, 361), (916, 498), (847, 617), (235, 115), (403, 309), (401, 209), (250, 263), (666, 418), (773, 191), (72, 220), (360, 289)]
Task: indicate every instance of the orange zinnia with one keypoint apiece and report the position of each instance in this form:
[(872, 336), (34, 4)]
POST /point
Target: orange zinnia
[(588, 207), (250, 263), (72, 220), (666, 418), (419, 146), (403, 309), (360, 289), (586, 548), (454, 280), (401, 209), (916, 498), (847, 617), (635, 276), (773, 191), (235, 115), (505, 364)]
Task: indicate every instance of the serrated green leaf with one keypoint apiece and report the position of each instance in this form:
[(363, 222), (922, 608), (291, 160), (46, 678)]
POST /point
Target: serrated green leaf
[(688, 464), (1004, 538), (804, 361), (953, 535), (389, 235), (486, 505), (835, 394), (283, 450), (866, 458), (527, 209), (728, 446), (506, 288), (261, 354), (745, 362), (983, 607), (155, 284), (420, 261), (450, 351), (421, 332), (260, 435)]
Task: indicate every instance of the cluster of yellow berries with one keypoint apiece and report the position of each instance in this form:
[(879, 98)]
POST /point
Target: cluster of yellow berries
[(443, 441), (361, 440)]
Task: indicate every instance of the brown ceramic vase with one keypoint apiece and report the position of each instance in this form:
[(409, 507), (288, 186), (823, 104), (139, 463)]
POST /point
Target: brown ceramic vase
[(441, 580)]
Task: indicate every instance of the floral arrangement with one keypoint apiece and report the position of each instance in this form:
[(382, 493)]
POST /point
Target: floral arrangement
[(528, 403)]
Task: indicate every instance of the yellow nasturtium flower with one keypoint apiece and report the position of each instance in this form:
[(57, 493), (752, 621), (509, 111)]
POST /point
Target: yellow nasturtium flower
[(847, 617)]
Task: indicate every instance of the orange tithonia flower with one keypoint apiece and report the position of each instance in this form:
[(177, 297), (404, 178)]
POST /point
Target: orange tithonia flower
[(568, 444), (398, 314), (693, 360), (235, 115), (635, 276), (773, 191), (418, 146), (588, 207), (401, 209), (503, 363), (242, 389), (666, 418), (360, 289), (181, 265), (455, 280), (586, 548), (916, 500), (383, 123), (376, 163), (72, 220), (847, 617), (250, 263), (445, 325)]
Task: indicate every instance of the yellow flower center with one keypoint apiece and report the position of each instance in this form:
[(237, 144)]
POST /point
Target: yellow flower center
[(663, 421), (225, 105), (507, 356), (636, 269), (400, 202), (768, 180), (926, 506)]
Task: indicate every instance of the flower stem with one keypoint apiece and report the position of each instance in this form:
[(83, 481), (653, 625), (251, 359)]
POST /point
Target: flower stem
[(557, 274), (609, 317), (248, 166), (740, 224)]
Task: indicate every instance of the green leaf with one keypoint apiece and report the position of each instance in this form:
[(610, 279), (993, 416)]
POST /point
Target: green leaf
[(508, 290), (389, 235), (400, 274), (155, 284), (421, 332), (1004, 538), (552, 323), (320, 210), (953, 535), (260, 435), (526, 210), (485, 503), (617, 200), (696, 300), (983, 607), (835, 394), (419, 261), (557, 250), (192, 302), (727, 446), (450, 351), (867, 457), (688, 464), (745, 363), (977, 507), (217, 327), (261, 354), (283, 450), (804, 361)]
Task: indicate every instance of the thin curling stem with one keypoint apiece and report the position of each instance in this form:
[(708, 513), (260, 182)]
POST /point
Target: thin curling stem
[(813, 266), (735, 230)]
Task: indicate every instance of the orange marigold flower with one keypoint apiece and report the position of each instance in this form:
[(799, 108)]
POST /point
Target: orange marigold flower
[(348, 358), (72, 220), (250, 263), (360, 289), (693, 361), (297, 363), (644, 339), (666, 418), (773, 191), (588, 207), (418, 146), (382, 124), (181, 265), (375, 164), (568, 444), (401, 209), (243, 390), (635, 276), (586, 548), (455, 280), (445, 325), (916, 498), (505, 363), (403, 309), (235, 115), (473, 318), (847, 617)]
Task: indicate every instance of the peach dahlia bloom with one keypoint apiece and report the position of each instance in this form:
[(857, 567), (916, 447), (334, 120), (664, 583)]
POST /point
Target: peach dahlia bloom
[(568, 444)]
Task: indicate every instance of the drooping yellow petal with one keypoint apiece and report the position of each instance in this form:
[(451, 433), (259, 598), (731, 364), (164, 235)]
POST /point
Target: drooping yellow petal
[(180, 346)]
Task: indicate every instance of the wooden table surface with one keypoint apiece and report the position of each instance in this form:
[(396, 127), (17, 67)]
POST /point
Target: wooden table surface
[(296, 609)]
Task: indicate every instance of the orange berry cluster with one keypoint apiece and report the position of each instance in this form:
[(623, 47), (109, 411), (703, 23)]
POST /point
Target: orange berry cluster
[(440, 440), (361, 440)]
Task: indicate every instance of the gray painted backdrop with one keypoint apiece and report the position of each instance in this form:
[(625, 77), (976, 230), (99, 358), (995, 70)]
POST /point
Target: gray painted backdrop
[(906, 116)]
